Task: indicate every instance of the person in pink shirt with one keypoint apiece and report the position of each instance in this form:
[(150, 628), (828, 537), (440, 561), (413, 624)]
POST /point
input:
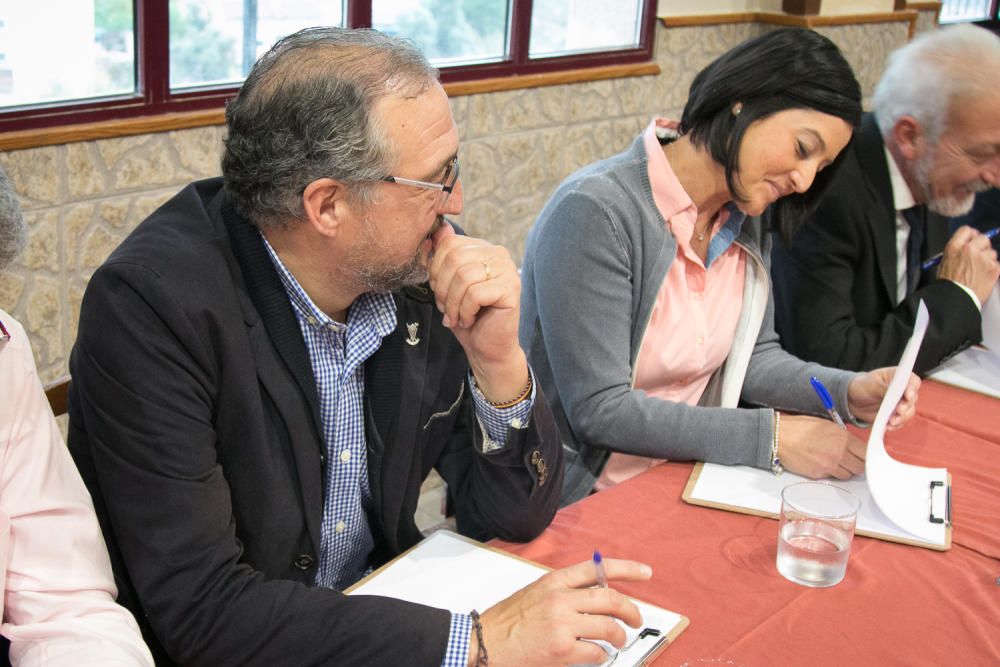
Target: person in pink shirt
[(58, 599), (645, 301)]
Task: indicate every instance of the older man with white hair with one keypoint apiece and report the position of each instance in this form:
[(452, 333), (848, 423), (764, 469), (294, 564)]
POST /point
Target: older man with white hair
[(57, 588), (848, 287)]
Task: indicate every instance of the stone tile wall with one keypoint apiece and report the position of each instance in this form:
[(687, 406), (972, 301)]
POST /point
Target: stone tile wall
[(82, 199)]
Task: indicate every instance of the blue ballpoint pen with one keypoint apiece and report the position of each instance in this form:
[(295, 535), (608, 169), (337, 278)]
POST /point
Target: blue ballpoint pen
[(936, 259), (602, 579), (827, 400), (602, 582)]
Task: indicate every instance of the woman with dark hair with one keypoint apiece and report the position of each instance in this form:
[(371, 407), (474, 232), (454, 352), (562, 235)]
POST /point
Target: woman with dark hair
[(646, 307)]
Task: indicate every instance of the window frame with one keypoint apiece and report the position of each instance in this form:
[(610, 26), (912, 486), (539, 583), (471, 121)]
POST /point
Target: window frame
[(154, 97), (992, 22)]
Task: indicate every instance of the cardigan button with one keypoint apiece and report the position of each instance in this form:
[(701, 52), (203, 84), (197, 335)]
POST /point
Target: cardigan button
[(303, 561)]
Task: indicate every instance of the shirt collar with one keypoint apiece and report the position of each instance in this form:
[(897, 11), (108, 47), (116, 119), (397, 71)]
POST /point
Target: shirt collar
[(670, 197), (727, 233), (380, 306), (668, 193), (902, 198)]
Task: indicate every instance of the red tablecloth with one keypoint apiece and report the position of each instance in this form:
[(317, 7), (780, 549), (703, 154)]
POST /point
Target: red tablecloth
[(898, 605)]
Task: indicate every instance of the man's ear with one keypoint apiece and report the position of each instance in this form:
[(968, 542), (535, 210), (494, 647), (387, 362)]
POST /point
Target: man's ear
[(325, 205), (910, 138)]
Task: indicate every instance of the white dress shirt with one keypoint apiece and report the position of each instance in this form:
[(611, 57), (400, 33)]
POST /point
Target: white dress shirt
[(903, 199)]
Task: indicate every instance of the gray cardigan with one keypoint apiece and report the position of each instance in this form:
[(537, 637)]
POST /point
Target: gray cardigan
[(594, 263)]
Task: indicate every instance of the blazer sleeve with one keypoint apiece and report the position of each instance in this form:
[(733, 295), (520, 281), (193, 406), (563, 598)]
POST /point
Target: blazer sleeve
[(511, 492), (58, 607), (147, 379), (830, 270)]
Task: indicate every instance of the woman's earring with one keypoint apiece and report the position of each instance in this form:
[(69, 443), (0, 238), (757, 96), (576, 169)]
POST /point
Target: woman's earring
[(737, 108)]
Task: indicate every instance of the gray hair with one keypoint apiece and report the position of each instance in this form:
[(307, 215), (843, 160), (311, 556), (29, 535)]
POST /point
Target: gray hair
[(13, 229), (934, 72), (305, 112)]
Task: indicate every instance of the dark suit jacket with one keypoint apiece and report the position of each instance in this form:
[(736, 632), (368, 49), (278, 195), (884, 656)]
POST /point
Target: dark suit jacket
[(835, 287), (194, 421)]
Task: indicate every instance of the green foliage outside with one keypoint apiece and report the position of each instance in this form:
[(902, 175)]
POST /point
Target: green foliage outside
[(198, 53), (450, 29)]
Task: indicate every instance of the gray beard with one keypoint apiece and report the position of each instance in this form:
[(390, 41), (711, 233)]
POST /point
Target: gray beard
[(950, 206), (386, 279), (374, 278)]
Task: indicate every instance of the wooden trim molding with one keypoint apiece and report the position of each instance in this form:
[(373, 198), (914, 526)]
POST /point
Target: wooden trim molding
[(459, 88), (924, 6), (845, 19), (909, 15), (66, 134), (109, 129), (709, 19), (801, 7)]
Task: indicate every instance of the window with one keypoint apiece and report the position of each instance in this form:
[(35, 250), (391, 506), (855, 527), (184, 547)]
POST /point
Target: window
[(956, 11), (119, 59)]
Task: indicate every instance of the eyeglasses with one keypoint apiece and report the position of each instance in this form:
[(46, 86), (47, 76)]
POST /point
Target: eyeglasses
[(445, 187)]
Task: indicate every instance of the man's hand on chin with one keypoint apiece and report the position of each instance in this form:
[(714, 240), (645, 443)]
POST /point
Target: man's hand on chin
[(477, 288)]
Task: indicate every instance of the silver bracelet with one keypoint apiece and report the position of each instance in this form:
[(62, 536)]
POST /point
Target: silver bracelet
[(776, 466)]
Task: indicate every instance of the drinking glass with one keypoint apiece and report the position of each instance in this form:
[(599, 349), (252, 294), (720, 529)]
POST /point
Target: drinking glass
[(815, 532)]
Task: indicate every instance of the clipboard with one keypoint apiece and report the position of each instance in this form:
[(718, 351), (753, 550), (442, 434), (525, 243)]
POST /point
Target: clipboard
[(758, 492), (446, 570)]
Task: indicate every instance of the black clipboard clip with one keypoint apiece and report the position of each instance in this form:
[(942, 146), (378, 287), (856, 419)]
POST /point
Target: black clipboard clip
[(646, 632), (946, 519)]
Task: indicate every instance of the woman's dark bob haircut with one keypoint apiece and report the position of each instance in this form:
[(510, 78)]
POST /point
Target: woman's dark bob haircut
[(790, 68)]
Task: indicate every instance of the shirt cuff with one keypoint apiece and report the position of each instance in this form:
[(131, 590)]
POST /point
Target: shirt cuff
[(494, 421), (972, 295), (457, 654)]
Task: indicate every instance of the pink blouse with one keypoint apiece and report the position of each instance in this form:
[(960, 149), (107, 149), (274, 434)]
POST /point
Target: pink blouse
[(58, 601), (694, 319)]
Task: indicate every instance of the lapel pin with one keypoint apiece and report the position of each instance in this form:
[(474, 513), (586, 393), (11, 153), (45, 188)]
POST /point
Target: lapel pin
[(411, 329)]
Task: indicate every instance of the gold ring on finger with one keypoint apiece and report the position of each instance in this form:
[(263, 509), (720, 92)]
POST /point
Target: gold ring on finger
[(489, 274)]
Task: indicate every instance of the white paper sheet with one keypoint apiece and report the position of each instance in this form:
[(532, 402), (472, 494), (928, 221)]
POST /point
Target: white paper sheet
[(759, 490), (895, 497), (975, 369), (991, 321), (978, 368), (448, 572), (903, 491)]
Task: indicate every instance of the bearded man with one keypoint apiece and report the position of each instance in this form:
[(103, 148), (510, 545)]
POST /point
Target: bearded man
[(271, 364), (848, 287)]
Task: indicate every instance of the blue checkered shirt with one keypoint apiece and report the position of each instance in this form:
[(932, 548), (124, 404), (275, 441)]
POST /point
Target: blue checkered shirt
[(337, 353)]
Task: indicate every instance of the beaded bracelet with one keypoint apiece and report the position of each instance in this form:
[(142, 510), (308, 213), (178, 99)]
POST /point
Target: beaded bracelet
[(525, 393), (776, 466), (482, 658)]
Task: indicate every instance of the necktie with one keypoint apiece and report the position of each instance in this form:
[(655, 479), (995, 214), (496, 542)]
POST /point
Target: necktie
[(915, 216)]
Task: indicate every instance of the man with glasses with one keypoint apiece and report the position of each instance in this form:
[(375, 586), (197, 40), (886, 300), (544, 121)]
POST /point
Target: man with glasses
[(270, 365)]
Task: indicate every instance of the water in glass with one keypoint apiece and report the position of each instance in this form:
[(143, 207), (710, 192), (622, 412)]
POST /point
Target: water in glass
[(812, 552)]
